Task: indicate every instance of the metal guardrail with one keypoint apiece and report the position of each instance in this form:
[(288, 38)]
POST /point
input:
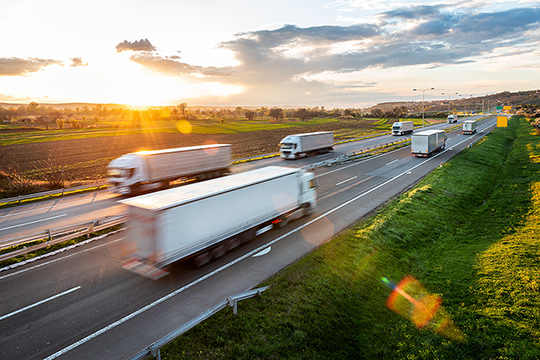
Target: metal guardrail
[(356, 155), (232, 301), (56, 236), (20, 198)]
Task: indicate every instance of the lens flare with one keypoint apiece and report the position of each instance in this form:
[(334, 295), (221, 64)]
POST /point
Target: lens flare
[(412, 301), (184, 127)]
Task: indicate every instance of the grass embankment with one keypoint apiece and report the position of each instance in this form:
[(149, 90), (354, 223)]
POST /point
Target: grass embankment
[(468, 232)]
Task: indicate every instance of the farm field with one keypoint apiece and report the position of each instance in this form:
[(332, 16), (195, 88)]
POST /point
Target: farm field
[(81, 155)]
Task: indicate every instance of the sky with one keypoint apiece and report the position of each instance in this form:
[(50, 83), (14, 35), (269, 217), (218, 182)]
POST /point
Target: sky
[(331, 53)]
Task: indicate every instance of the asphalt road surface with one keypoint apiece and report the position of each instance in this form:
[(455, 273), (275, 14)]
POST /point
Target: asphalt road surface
[(81, 304)]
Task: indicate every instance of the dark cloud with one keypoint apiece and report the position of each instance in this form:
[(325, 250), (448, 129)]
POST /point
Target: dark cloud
[(137, 45), (78, 62), (17, 66)]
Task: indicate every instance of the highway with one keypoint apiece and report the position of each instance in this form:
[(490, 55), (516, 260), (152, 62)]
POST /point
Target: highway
[(81, 304)]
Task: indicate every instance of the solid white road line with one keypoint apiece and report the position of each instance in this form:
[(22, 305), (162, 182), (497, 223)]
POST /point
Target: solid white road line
[(32, 222), (224, 267), (391, 162), (39, 303), (344, 181), (264, 252)]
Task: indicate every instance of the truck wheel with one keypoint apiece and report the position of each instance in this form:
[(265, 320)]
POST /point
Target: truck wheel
[(218, 252), (202, 259), (307, 211), (135, 189), (282, 223), (234, 242)]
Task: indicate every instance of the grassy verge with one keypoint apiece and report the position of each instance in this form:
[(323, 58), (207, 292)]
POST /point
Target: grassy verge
[(469, 232)]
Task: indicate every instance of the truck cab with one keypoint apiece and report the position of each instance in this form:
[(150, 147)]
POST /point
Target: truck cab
[(126, 173), (308, 190), (290, 147), (451, 119)]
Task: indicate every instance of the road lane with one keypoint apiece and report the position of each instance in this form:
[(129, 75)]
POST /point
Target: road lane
[(109, 293)]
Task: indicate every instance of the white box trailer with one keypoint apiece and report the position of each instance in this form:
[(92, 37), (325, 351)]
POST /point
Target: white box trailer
[(135, 172), (204, 220), (469, 127), (402, 128), (427, 142), (299, 145)]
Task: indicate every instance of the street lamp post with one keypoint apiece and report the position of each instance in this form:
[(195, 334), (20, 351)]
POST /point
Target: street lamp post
[(423, 109), (449, 95)]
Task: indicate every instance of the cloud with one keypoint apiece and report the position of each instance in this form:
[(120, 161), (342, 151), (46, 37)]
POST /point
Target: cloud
[(137, 45), (290, 57), (172, 66), (78, 62), (17, 66)]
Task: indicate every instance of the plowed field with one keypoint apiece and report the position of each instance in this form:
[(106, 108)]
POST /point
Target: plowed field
[(87, 159)]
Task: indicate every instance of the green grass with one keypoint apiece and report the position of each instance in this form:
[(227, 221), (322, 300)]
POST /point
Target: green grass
[(197, 127), (469, 232)]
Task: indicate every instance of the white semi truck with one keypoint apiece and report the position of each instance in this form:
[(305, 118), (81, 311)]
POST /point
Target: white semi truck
[(427, 142), (468, 127), (144, 170), (452, 119), (300, 145), (204, 220), (402, 128)]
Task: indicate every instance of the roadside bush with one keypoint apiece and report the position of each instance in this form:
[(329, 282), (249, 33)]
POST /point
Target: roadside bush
[(14, 184)]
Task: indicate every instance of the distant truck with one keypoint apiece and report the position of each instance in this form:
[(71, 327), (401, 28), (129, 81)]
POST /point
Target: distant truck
[(427, 142), (204, 220), (300, 145), (402, 128), (135, 172), (469, 127), (452, 119)]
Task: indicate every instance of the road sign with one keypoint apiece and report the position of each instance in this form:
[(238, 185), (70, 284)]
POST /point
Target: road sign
[(502, 121)]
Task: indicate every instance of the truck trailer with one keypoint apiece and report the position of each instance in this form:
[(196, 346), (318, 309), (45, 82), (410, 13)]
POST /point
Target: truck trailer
[(300, 145), (427, 142), (469, 127), (402, 128), (133, 173), (204, 220)]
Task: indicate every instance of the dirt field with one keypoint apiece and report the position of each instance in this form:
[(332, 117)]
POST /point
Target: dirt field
[(87, 159)]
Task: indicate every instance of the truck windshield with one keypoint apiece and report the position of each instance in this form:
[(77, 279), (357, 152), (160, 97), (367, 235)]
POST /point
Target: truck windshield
[(288, 146), (396, 127), (120, 173)]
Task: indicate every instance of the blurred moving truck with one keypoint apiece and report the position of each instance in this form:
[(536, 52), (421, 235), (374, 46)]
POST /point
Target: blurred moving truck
[(135, 172), (300, 145), (427, 142), (402, 128), (204, 220), (469, 127), (451, 119)]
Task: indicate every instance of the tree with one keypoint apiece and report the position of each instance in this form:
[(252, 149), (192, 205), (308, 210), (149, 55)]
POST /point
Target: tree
[(250, 114), (303, 114), (44, 120), (182, 108), (33, 106), (276, 113)]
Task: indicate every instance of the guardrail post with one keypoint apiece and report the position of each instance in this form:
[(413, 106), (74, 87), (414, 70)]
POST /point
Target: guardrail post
[(156, 353), (19, 199), (50, 234), (62, 191)]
